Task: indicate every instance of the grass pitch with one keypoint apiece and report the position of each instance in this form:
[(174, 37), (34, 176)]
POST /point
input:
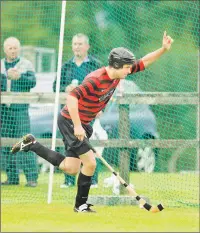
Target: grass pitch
[(61, 218), (26, 209)]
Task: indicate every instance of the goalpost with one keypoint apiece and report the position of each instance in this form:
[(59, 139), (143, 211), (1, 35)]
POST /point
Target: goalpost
[(60, 52), (153, 129)]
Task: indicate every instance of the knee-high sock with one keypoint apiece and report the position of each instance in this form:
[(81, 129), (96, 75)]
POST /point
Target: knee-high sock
[(51, 156), (84, 183)]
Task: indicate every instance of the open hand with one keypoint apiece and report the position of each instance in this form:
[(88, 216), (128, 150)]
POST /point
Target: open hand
[(167, 41)]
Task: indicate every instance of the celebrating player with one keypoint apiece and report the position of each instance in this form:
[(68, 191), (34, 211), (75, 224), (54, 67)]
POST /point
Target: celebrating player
[(83, 104)]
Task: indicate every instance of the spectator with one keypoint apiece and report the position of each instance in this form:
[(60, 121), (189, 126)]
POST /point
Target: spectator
[(17, 75), (72, 74)]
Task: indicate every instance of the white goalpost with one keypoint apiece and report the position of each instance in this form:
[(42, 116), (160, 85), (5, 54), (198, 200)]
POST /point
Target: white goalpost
[(60, 53)]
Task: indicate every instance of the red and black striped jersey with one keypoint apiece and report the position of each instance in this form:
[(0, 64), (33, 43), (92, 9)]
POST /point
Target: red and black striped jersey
[(95, 92)]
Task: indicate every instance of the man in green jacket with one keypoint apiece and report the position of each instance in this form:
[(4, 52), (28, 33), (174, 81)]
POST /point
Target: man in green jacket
[(17, 75)]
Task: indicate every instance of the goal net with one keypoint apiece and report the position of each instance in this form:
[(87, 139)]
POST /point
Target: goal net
[(149, 131)]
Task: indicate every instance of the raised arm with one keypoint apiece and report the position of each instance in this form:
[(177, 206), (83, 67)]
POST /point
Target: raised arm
[(152, 57)]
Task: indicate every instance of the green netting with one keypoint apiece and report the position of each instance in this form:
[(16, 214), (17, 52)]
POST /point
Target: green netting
[(163, 173)]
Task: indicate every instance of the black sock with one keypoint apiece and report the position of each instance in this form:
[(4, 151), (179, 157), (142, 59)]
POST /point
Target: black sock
[(84, 183), (51, 156)]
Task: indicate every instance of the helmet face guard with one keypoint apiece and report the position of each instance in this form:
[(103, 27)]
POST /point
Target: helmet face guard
[(119, 57)]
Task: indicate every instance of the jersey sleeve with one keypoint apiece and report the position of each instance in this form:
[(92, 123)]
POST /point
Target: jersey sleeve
[(138, 66)]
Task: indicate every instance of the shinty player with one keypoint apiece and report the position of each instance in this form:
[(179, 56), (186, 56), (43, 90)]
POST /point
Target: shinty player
[(83, 104)]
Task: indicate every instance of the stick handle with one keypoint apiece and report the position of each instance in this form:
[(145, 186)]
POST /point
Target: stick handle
[(122, 181)]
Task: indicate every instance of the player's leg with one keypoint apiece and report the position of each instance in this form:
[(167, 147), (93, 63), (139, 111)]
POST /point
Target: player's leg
[(29, 143), (70, 164), (81, 150), (84, 181), (69, 180)]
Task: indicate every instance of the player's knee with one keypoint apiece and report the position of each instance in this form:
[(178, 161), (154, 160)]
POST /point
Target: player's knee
[(70, 170), (73, 172), (91, 165)]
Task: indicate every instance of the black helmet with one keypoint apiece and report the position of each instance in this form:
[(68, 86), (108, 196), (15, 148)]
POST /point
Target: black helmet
[(119, 57)]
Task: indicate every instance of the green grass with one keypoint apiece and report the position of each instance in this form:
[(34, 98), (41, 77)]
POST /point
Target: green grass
[(26, 209), (61, 218)]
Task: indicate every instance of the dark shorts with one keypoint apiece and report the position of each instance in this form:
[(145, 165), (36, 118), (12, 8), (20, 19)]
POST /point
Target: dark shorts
[(73, 146)]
